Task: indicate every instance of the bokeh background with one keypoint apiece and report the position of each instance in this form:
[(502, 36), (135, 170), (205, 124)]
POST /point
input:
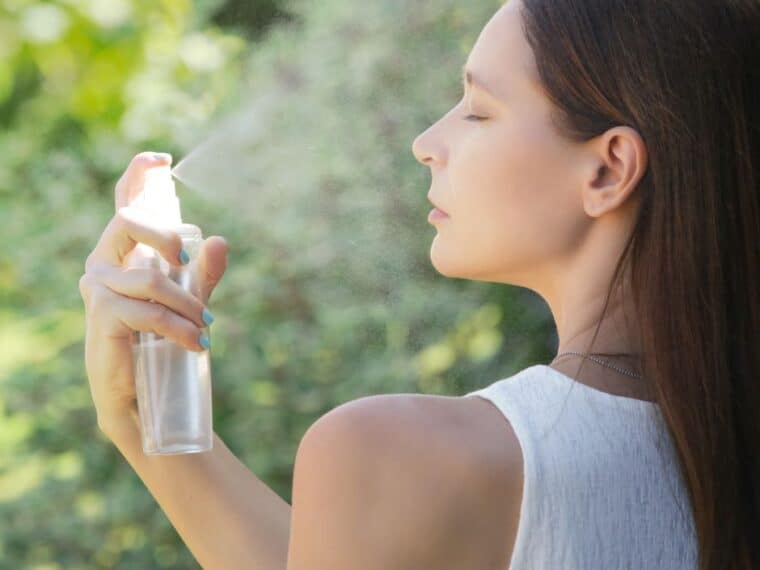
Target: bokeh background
[(329, 295)]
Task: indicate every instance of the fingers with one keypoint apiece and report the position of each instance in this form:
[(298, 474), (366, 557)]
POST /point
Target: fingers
[(127, 299), (124, 231), (212, 263), (131, 182), (152, 284), (119, 316)]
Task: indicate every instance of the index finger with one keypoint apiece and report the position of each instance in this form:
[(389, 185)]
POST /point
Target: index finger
[(132, 181), (128, 228)]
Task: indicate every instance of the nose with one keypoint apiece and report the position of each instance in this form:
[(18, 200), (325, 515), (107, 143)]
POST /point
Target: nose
[(424, 149)]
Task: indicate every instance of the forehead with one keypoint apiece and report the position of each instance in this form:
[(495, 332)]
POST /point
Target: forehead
[(501, 54)]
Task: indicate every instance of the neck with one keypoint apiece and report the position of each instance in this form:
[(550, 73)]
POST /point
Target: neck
[(614, 336)]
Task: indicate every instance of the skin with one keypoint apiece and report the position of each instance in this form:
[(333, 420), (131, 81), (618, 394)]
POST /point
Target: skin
[(396, 480)]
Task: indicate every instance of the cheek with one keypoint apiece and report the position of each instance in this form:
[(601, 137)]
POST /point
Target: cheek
[(512, 202)]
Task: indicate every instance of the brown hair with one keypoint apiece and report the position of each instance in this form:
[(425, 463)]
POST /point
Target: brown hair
[(686, 76)]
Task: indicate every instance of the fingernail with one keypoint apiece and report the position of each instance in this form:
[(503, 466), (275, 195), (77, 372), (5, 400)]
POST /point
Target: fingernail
[(184, 257), (161, 156), (205, 342), (208, 318)]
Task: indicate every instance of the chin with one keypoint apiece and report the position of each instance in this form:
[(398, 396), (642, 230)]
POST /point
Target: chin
[(461, 265), (452, 264)]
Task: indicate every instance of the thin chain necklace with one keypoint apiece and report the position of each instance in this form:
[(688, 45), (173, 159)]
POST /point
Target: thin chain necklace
[(588, 355)]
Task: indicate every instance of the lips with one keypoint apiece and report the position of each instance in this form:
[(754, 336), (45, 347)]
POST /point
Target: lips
[(430, 199)]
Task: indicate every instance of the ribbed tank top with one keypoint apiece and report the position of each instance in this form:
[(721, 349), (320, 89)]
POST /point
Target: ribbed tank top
[(601, 487)]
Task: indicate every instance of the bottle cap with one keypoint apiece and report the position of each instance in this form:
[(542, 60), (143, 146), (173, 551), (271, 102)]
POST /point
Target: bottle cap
[(159, 197), (160, 203)]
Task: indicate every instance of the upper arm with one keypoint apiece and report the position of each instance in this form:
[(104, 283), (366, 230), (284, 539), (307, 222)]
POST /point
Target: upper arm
[(372, 490)]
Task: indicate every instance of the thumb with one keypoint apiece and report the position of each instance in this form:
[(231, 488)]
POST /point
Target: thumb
[(212, 263)]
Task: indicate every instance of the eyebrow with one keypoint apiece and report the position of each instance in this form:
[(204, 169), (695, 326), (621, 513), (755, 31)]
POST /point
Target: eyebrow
[(469, 79)]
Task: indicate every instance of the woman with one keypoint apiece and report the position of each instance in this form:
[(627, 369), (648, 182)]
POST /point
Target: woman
[(605, 155)]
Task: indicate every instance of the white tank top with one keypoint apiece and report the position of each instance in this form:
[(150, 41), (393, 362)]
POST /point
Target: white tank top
[(601, 488)]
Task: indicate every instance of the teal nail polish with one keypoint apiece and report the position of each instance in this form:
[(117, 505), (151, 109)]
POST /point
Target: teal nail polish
[(205, 342), (184, 257), (208, 318)]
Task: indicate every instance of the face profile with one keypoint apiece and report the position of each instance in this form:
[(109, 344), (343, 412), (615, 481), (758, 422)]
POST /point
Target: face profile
[(510, 184)]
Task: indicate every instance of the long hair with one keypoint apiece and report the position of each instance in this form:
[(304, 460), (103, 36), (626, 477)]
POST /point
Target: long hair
[(686, 75)]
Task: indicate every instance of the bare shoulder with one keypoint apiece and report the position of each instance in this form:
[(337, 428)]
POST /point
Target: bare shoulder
[(468, 436), (451, 466)]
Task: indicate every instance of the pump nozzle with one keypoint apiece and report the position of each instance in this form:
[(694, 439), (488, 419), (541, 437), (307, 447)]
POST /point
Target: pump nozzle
[(159, 201), (159, 197)]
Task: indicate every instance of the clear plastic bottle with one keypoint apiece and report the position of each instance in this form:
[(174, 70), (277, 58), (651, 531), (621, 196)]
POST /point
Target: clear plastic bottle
[(173, 384)]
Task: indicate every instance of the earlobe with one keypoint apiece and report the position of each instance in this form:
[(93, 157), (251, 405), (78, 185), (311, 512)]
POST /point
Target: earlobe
[(599, 204)]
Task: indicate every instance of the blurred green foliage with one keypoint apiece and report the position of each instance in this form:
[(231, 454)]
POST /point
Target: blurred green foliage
[(302, 325)]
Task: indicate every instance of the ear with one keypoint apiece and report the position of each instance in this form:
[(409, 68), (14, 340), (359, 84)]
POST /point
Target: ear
[(619, 161)]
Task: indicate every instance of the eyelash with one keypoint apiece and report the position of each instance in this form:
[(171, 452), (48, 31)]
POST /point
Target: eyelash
[(474, 118)]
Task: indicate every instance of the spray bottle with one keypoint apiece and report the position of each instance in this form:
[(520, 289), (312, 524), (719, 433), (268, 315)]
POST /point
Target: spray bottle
[(173, 384)]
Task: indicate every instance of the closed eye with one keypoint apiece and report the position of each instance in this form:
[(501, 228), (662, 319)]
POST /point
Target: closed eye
[(474, 118)]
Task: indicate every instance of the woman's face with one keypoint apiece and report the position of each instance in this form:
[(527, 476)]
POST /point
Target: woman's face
[(508, 182)]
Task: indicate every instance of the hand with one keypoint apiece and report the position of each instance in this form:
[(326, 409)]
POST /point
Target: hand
[(117, 298)]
